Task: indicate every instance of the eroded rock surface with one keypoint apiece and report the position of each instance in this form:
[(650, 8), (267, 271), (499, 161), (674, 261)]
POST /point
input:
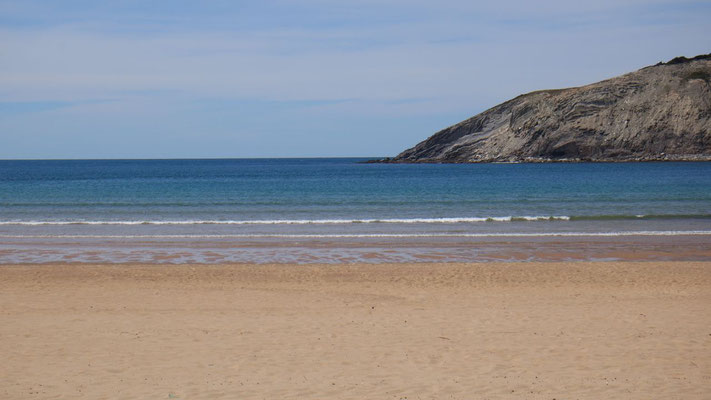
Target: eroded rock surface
[(661, 112)]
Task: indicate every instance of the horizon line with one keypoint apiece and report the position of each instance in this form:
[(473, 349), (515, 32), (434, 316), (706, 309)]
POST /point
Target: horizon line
[(187, 158)]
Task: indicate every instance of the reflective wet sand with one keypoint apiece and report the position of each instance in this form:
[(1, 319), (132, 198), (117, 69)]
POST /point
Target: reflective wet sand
[(349, 250)]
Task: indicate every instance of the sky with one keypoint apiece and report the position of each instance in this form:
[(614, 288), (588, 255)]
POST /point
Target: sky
[(313, 78)]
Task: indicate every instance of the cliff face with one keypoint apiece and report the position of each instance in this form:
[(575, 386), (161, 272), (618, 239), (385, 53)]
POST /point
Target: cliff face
[(662, 112)]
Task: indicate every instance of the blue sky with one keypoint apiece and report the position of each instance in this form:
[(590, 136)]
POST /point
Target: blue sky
[(165, 79)]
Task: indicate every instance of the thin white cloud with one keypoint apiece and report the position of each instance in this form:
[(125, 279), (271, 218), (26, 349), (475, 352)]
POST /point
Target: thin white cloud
[(460, 57)]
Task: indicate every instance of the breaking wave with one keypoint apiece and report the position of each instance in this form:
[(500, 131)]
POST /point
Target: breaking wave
[(452, 220)]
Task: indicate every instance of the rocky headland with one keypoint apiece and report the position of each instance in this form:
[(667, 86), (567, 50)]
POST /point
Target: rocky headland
[(661, 112)]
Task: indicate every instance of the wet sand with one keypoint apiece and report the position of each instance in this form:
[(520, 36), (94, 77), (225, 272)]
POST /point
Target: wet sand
[(42, 250), (581, 330)]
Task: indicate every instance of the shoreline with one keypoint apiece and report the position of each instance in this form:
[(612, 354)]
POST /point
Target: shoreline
[(633, 330), (543, 160)]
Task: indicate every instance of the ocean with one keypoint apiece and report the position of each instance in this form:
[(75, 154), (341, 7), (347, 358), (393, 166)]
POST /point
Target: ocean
[(343, 210)]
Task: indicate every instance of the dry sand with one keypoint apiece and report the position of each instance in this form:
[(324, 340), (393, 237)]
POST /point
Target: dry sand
[(392, 331)]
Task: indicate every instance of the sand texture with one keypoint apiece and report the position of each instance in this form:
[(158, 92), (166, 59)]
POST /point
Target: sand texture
[(391, 331)]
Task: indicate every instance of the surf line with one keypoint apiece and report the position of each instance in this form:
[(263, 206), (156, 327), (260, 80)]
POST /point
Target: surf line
[(368, 235)]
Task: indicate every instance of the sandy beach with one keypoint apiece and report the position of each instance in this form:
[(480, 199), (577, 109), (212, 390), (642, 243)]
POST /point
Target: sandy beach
[(387, 331)]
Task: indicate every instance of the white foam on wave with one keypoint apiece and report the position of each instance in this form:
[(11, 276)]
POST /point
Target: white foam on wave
[(369, 235), (453, 220)]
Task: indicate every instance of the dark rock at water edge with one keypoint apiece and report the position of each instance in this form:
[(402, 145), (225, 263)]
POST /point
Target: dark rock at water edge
[(658, 113)]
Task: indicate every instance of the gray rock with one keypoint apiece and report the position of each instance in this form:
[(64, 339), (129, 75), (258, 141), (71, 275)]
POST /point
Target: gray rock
[(661, 112)]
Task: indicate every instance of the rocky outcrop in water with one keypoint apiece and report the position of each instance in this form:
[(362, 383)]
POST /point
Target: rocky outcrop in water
[(661, 112)]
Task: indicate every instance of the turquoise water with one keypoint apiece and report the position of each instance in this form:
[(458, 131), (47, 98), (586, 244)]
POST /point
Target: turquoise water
[(342, 198)]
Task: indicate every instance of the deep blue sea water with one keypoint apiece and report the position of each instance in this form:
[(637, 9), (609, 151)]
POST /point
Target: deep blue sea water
[(340, 197)]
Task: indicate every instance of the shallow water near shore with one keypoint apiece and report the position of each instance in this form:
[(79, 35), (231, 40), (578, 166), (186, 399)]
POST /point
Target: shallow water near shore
[(340, 210)]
